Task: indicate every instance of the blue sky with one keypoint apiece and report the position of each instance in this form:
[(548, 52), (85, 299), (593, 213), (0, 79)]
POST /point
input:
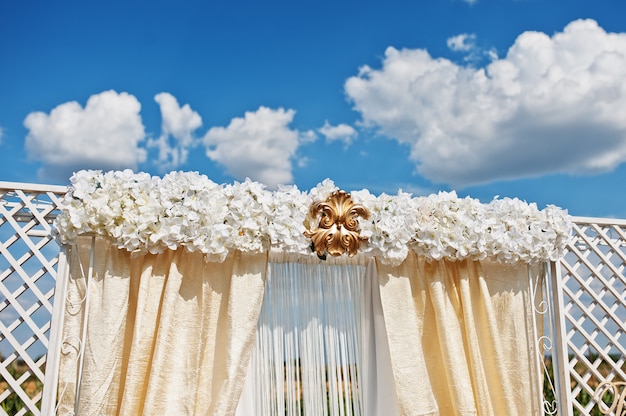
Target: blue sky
[(518, 98)]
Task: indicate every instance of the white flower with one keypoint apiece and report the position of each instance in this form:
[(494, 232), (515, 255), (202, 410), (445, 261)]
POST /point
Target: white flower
[(287, 218), (141, 213), (249, 206), (391, 227), (322, 191)]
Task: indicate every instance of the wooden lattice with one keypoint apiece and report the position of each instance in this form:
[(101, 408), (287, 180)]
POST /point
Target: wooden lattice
[(589, 298), (28, 259), (594, 307)]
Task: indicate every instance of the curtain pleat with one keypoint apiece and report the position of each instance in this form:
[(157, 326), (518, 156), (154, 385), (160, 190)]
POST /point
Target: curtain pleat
[(173, 334), (379, 389), (166, 333), (461, 337)]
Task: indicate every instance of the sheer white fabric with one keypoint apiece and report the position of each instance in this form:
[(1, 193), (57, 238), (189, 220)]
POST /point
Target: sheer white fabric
[(321, 348)]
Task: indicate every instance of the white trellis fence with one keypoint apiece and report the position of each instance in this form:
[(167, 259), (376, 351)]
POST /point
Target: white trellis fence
[(28, 269), (588, 301), (592, 291)]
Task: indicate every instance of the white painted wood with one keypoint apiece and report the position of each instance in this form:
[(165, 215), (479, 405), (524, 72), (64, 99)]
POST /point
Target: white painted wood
[(51, 382), (591, 297), (587, 291), (29, 258)]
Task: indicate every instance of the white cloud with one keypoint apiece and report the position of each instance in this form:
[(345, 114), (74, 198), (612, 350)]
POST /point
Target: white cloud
[(260, 146), (1, 134), (177, 127), (552, 104), (341, 132), (103, 135), (462, 43)]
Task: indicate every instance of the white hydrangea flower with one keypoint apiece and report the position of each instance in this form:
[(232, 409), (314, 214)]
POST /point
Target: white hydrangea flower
[(249, 208), (393, 226), (141, 213), (287, 218), (322, 191)]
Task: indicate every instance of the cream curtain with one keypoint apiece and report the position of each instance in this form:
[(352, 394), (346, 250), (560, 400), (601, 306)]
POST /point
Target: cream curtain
[(173, 334), (167, 334), (461, 337)]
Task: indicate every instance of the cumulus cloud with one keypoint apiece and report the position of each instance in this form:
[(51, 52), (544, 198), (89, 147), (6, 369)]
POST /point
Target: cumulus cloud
[(552, 104), (462, 43), (341, 132), (105, 134), (260, 145), (177, 127)]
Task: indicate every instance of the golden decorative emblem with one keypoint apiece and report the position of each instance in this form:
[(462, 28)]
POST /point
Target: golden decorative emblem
[(338, 231)]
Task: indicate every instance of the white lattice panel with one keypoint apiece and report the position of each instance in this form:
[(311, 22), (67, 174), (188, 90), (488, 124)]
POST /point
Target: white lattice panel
[(594, 299), (28, 259), (591, 279)]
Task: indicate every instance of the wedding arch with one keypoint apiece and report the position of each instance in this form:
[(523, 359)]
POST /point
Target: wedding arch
[(192, 297)]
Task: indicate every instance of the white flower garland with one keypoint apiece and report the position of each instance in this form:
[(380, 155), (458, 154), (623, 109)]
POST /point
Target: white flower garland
[(146, 214)]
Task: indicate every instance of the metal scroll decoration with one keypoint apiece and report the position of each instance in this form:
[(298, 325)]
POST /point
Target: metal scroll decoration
[(338, 231), (616, 392)]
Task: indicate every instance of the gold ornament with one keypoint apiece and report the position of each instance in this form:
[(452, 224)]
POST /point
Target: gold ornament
[(338, 231)]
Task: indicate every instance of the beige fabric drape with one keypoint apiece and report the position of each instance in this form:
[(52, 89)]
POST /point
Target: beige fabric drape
[(461, 337), (167, 334)]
